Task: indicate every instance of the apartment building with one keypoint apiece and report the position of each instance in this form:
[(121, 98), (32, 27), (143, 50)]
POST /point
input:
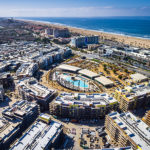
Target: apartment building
[(49, 31), (41, 135), (26, 70), (92, 40), (83, 106), (23, 110), (29, 89), (84, 41), (77, 42), (133, 97), (15, 120), (127, 130), (48, 57), (9, 131), (61, 32)]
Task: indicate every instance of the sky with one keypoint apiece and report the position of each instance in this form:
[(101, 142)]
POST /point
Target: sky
[(74, 8)]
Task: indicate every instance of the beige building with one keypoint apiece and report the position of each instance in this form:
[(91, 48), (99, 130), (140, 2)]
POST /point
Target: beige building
[(137, 77), (127, 130), (134, 97), (83, 106)]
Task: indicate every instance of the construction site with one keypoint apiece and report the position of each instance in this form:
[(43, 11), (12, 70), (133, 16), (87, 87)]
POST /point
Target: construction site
[(107, 76)]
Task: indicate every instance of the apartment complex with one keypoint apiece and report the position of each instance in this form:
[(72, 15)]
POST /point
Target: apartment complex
[(57, 32), (133, 52), (133, 97), (46, 57), (40, 135), (17, 53), (127, 130), (61, 33), (23, 110), (84, 41), (26, 70), (9, 65), (49, 31), (29, 89), (1, 93), (83, 106), (9, 131), (16, 119)]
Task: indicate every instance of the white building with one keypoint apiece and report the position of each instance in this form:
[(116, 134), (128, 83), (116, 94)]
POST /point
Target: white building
[(27, 70), (39, 136), (84, 40), (104, 81), (137, 77), (29, 89)]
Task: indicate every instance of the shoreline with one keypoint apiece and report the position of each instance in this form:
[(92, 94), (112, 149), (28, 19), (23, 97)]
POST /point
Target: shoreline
[(101, 31), (130, 40)]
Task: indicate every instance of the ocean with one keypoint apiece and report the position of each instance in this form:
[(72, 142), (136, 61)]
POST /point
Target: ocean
[(129, 26)]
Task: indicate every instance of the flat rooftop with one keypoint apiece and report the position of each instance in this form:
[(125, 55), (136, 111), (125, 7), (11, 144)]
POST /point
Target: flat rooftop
[(88, 73), (26, 69), (20, 108), (68, 67), (137, 77), (85, 99), (8, 128), (30, 85), (104, 81), (38, 136), (135, 91), (45, 116), (136, 129)]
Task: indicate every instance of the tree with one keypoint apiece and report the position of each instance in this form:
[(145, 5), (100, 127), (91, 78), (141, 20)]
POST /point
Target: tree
[(114, 71), (108, 72), (46, 40), (120, 76), (126, 70), (104, 65), (105, 69)]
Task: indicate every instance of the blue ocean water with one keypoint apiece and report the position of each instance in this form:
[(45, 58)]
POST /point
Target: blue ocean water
[(130, 26)]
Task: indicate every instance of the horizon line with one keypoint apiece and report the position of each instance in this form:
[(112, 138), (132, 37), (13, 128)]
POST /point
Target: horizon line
[(66, 16)]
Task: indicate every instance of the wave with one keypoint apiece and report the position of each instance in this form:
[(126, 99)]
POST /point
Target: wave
[(87, 28)]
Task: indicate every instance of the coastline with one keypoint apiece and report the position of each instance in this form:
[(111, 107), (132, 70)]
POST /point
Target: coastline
[(132, 41)]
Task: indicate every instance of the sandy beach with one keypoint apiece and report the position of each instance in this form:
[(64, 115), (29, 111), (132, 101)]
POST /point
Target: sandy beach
[(132, 41)]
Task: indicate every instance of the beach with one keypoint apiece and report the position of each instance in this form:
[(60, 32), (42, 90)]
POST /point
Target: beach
[(132, 41)]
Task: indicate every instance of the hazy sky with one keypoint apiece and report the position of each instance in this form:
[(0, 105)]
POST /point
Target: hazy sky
[(73, 8)]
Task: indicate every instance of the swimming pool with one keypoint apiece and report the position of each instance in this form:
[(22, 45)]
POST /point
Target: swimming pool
[(77, 83)]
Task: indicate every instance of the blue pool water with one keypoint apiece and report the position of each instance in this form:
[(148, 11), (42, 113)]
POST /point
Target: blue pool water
[(77, 83)]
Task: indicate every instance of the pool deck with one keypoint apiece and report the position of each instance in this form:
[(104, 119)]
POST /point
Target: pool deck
[(79, 84), (76, 81)]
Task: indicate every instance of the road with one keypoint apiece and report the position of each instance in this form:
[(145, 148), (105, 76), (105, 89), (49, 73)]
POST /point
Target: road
[(96, 56)]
